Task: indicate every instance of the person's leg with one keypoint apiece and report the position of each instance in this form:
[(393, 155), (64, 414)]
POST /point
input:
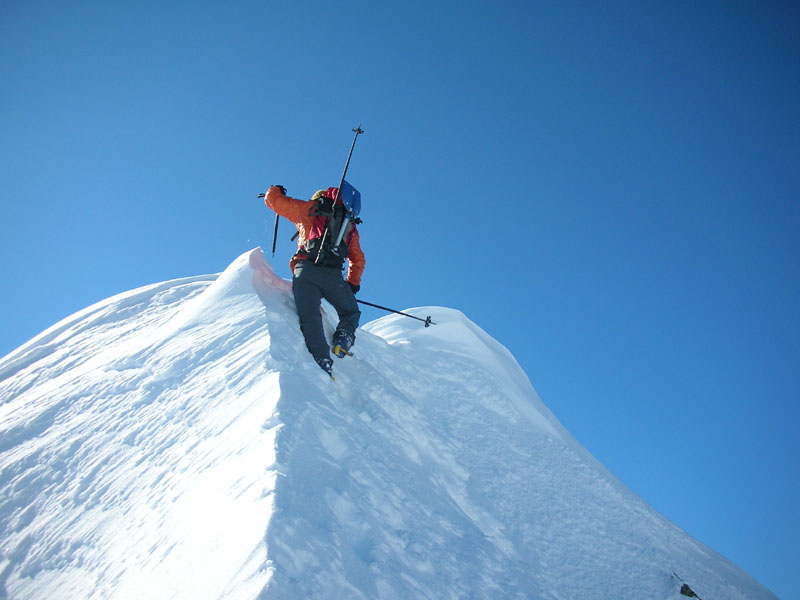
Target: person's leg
[(340, 295), (307, 296)]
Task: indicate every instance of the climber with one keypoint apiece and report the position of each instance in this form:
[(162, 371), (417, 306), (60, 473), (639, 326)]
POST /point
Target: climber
[(317, 268)]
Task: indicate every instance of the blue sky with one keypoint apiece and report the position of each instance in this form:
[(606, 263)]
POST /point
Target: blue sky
[(609, 189)]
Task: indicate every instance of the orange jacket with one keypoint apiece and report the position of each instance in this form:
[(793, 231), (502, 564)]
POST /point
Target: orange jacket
[(297, 211)]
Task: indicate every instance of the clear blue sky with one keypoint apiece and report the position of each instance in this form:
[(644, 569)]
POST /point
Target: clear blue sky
[(610, 189)]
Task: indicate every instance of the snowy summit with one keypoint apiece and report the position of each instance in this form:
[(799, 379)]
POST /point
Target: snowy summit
[(177, 441)]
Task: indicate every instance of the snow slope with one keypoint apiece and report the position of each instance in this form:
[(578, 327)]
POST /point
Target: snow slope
[(177, 441)]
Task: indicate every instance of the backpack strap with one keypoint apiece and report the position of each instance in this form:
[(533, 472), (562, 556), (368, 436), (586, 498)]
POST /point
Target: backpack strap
[(321, 208)]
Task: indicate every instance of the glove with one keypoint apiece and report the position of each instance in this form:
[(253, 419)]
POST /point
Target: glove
[(281, 188), (354, 287)]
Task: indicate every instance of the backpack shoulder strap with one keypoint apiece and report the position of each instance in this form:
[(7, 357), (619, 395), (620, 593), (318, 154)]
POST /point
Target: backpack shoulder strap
[(323, 207)]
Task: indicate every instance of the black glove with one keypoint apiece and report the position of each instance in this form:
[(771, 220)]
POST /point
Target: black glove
[(354, 287)]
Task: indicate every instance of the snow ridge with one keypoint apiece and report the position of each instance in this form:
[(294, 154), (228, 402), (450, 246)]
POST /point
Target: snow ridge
[(177, 441)]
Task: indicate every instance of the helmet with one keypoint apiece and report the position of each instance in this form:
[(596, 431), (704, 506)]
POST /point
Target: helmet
[(327, 193)]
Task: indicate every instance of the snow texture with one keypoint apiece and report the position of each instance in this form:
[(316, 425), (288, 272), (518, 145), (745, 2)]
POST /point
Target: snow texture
[(177, 441)]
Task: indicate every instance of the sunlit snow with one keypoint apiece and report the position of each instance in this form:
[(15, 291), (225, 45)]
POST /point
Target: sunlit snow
[(177, 441)]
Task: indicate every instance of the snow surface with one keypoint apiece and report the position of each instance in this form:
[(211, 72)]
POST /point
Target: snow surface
[(177, 441)]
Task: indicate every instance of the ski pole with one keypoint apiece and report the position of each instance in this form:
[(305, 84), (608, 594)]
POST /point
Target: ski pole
[(275, 232), (357, 130), (426, 320), (325, 235)]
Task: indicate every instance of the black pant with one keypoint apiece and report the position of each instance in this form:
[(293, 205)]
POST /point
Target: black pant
[(311, 283)]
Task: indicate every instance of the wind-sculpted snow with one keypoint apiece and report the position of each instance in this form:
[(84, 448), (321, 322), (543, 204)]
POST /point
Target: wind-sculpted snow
[(177, 441)]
